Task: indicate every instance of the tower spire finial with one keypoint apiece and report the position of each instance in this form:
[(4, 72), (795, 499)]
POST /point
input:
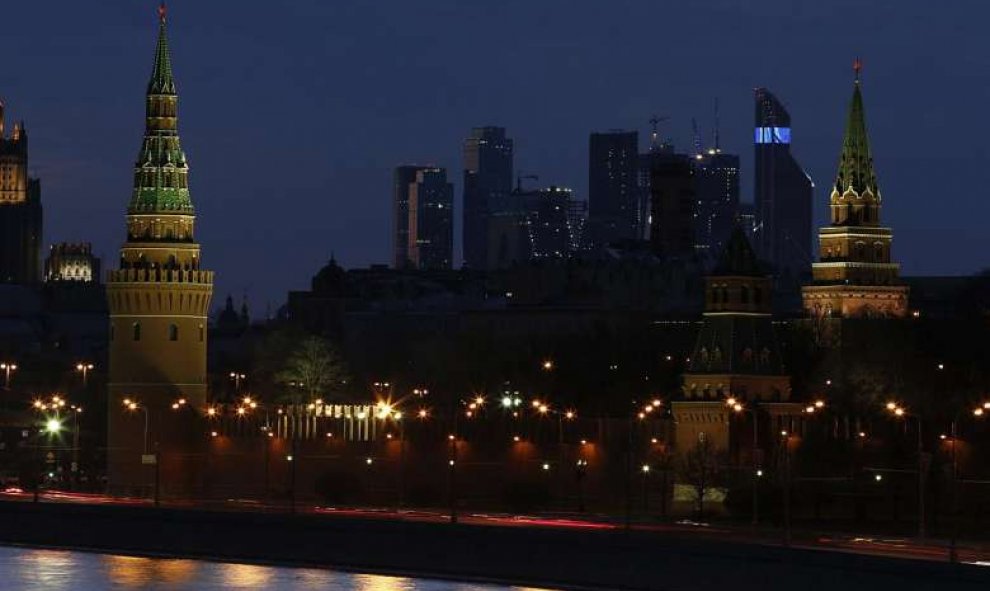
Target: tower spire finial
[(857, 67), (162, 12)]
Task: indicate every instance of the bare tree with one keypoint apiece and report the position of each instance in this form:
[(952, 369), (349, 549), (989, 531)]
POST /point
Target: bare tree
[(700, 468), (313, 367)]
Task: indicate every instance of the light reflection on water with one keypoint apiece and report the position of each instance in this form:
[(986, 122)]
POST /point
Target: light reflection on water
[(24, 568)]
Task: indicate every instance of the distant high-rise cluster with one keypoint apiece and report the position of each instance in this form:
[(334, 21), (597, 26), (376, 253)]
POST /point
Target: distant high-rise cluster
[(20, 210)]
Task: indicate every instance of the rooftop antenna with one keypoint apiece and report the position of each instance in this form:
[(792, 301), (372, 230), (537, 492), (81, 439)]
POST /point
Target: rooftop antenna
[(715, 133)]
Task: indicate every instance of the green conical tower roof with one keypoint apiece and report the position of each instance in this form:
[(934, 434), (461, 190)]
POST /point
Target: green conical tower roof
[(162, 81), (856, 163), (161, 172)]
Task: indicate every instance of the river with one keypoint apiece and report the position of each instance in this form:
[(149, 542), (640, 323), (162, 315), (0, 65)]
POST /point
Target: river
[(26, 569)]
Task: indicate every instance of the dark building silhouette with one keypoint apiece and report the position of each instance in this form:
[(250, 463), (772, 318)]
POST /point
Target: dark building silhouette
[(716, 176), (614, 193), (532, 225), (673, 194), (431, 220), (783, 197), (402, 178), (487, 181), (20, 210)]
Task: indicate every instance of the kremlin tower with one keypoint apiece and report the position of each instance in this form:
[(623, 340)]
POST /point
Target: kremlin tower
[(158, 298), (855, 277)]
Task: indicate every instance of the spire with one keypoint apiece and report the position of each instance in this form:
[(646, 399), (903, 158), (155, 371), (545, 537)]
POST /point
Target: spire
[(161, 183), (162, 81), (856, 163)]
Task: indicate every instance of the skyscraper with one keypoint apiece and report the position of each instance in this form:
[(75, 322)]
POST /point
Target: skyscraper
[(855, 276), (614, 194), (487, 181), (531, 225), (402, 177), (431, 220), (20, 210), (716, 177), (783, 197), (673, 197), (159, 297)]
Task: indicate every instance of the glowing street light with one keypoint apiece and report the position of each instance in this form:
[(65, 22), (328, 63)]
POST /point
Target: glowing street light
[(7, 367), (548, 365), (237, 377), (53, 426), (84, 369)]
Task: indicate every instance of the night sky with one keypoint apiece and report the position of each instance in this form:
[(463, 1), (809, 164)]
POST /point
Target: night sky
[(294, 113)]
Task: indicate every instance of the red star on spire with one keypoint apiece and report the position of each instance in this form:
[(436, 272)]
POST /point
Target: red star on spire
[(857, 66), (162, 11)]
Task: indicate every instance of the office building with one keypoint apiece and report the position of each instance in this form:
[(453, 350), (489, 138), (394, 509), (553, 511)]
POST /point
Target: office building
[(614, 193), (783, 197), (431, 220), (487, 181)]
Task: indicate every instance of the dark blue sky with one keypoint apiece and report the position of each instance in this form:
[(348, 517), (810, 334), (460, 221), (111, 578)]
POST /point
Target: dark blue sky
[(293, 113)]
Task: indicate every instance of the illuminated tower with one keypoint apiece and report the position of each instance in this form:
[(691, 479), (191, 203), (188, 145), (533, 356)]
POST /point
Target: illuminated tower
[(20, 210), (159, 297), (855, 277)]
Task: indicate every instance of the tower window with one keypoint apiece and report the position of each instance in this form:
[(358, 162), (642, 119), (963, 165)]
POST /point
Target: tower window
[(136, 328), (173, 332), (201, 333)]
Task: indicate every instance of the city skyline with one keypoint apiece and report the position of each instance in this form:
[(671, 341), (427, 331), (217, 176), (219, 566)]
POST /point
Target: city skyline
[(334, 170)]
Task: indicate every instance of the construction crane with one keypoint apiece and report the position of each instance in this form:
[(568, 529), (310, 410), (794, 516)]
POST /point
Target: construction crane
[(655, 122)]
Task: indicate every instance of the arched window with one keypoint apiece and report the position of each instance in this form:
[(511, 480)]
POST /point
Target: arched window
[(173, 332), (136, 329)]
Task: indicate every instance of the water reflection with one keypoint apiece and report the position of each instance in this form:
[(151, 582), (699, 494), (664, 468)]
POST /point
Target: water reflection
[(56, 570), (136, 572)]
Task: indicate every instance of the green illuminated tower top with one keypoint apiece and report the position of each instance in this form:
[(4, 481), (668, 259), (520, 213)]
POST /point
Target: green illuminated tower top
[(161, 181), (855, 198)]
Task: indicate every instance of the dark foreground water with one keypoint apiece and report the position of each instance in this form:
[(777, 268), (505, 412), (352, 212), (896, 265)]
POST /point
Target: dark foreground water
[(24, 569)]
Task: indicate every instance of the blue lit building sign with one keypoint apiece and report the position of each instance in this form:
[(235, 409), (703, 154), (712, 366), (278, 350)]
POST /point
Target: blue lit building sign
[(773, 135)]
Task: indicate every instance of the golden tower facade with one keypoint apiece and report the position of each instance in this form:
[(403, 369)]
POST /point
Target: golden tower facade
[(855, 276), (158, 298)]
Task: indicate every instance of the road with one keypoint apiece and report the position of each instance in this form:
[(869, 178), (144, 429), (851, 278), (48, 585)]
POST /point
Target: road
[(885, 546)]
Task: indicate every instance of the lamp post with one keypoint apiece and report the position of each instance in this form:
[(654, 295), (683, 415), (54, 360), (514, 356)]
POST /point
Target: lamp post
[(899, 412), (739, 408), (76, 411), (787, 487), (978, 412), (237, 377), (7, 367), (84, 369)]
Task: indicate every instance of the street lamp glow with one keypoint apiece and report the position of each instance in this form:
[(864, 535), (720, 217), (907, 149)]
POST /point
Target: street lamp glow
[(547, 365), (423, 413), (212, 412), (506, 402), (369, 461), (730, 401), (657, 402), (737, 407), (899, 411), (546, 466), (569, 414), (53, 425), (646, 468), (891, 406), (978, 412), (878, 477), (759, 473), (819, 404), (544, 409)]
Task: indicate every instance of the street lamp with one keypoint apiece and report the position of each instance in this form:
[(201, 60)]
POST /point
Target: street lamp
[(7, 367), (84, 369), (899, 412), (739, 408), (237, 377), (977, 412)]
